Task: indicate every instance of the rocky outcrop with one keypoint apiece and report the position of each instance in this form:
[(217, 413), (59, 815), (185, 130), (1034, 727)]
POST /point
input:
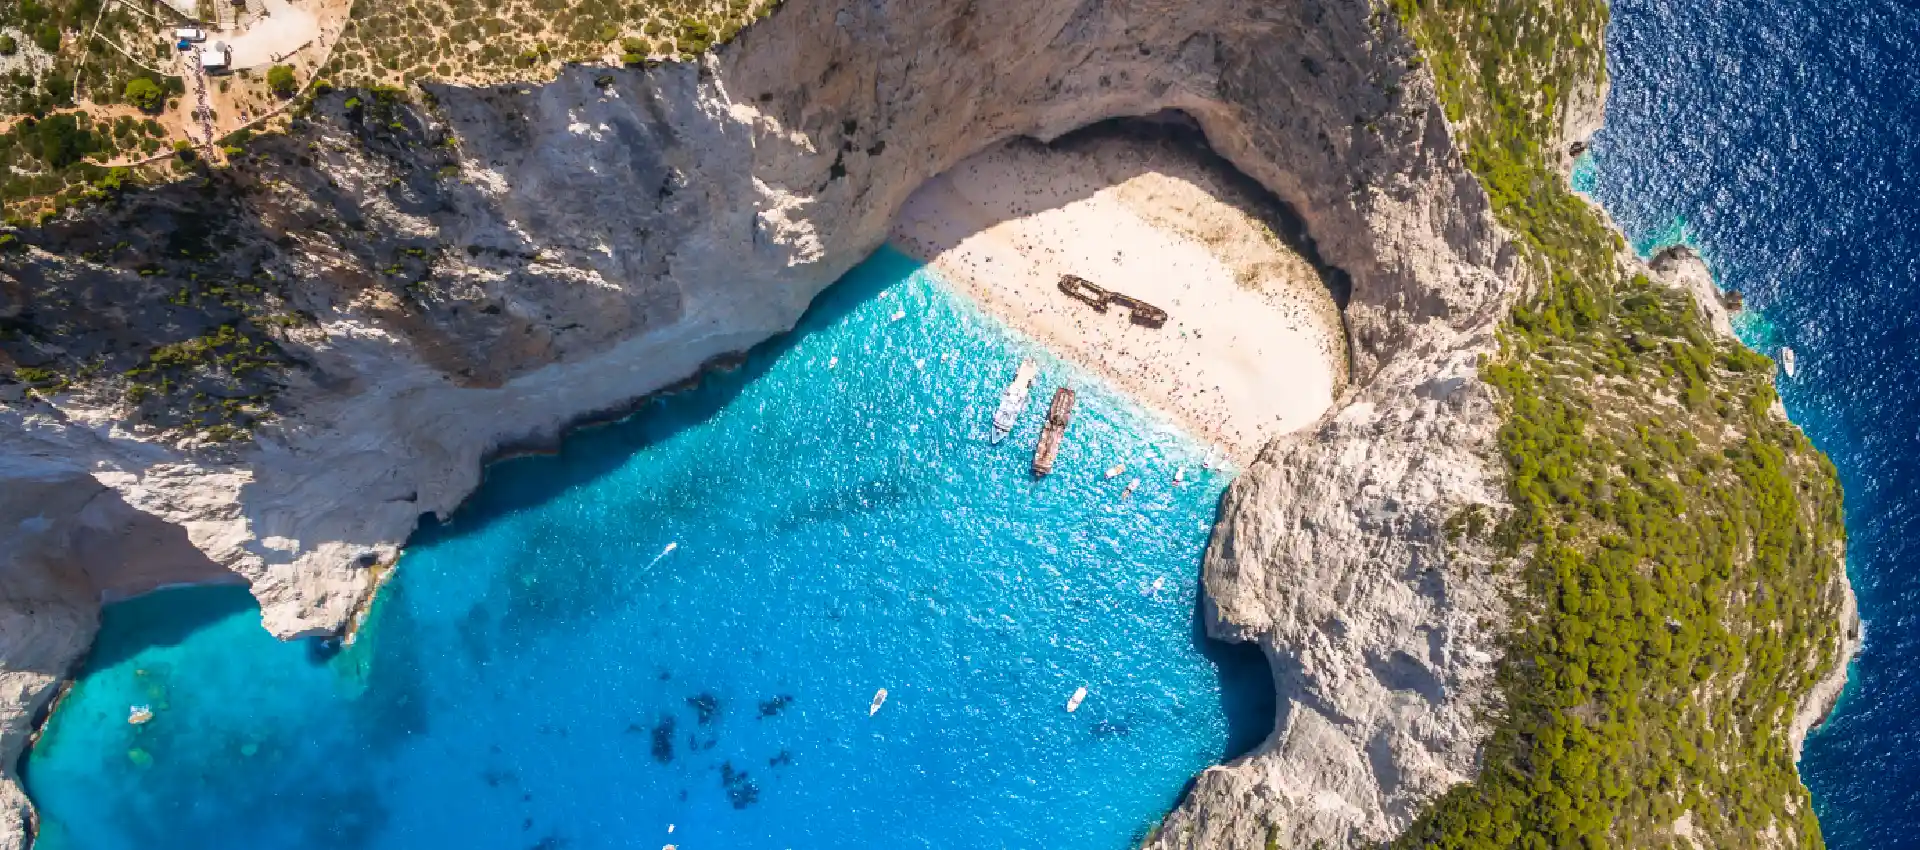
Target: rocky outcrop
[(1341, 553), (1682, 269), (1583, 114)]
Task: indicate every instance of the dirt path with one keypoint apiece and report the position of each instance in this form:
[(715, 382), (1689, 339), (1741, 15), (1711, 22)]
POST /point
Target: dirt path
[(202, 105)]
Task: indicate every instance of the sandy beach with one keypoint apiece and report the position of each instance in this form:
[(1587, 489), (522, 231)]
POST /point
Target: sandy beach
[(1253, 347)]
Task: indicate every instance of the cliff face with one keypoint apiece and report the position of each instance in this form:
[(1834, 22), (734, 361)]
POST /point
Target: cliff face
[(479, 271)]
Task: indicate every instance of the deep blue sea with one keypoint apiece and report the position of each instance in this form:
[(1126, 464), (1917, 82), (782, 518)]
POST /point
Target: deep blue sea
[(1782, 139), (671, 632)]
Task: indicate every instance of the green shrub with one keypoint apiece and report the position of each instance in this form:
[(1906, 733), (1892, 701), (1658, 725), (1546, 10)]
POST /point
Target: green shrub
[(60, 141), (280, 80), (40, 379), (145, 94)]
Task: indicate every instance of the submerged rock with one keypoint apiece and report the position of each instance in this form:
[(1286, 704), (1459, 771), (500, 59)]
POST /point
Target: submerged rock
[(663, 740), (773, 707), (705, 707)]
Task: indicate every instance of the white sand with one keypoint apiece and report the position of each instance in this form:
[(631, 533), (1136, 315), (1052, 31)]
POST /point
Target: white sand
[(1253, 348)]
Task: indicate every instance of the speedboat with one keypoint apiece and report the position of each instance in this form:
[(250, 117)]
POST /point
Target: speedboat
[(1013, 401), (1786, 360), (1073, 702)]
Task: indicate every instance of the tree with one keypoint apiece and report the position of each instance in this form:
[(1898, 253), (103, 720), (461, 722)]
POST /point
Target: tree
[(8, 46), (280, 80), (60, 141), (59, 90), (146, 94)]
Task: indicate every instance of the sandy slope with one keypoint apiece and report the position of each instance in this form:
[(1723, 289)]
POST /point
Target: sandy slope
[(1254, 347)]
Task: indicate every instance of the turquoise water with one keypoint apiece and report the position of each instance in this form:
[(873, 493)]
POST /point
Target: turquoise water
[(542, 672)]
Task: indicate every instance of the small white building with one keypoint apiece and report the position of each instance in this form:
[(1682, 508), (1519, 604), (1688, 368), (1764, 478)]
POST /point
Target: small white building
[(193, 34), (217, 57)]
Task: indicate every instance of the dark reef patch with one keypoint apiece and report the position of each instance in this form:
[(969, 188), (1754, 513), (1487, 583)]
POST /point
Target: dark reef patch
[(705, 707), (741, 790), (663, 740), (773, 707)]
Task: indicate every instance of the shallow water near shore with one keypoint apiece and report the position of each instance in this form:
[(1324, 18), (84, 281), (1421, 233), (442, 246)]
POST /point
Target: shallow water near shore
[(1781, 138), (681, 619)]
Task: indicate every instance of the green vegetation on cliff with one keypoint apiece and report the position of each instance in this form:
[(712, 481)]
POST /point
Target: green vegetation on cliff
[(1678, 542), (52, 162), (482, 42), (71, 52)]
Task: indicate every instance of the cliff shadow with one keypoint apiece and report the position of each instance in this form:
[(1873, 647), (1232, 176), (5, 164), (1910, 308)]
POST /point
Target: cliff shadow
[(1168, 136), (522, 479), (164, 618), (1248, 695), (83, 549)]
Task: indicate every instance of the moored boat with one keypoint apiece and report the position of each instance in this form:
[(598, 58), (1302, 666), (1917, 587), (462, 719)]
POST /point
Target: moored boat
[(879, 699), (1058, 415), (1786, 360), (1073, 702), (1013, 401)]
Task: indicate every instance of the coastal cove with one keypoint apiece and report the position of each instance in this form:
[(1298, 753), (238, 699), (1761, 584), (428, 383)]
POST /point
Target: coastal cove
[(679, 618)]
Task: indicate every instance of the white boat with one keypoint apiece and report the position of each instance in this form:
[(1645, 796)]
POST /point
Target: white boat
[(1116, 469), (879, 699), (1131, 486), (1073, 702), (1180, 475), (1013, 401), (139, 714), (1786, 360), (1213, 452)]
